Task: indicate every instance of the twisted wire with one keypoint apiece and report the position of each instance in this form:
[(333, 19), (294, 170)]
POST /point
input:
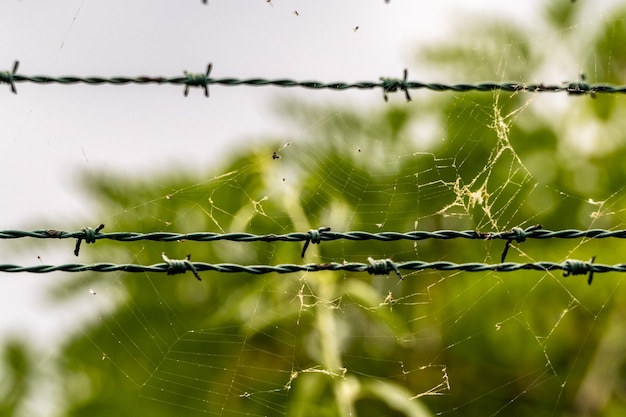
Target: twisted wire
[(387, 84), (320, 235), (89, 236), (377, 267), (180, 266)]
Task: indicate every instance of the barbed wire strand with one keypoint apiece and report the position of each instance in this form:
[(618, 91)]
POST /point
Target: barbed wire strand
[(387, 84), (317, 235), (375, 267)]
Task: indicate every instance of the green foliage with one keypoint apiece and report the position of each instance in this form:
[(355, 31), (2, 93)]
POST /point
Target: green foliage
[(16, 378)]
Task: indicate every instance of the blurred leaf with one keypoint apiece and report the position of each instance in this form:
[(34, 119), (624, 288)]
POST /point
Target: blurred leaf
[(16, 378), (395, 397), (561, 14)]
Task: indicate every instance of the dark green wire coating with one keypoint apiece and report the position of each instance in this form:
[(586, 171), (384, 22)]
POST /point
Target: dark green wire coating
[(573, 88), (325, 235), (388, 85), (569, 267)]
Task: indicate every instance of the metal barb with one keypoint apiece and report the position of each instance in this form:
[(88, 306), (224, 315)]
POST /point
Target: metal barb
[(180, 266), (198, 80), (575, 267), (7, 77), (382, 267), (89, 236), (519, 235), (315, 237), (391, 85), (580, 87)]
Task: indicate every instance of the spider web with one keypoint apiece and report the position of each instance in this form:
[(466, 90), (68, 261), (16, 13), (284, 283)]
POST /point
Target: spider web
[(431, 343), (256, 345)]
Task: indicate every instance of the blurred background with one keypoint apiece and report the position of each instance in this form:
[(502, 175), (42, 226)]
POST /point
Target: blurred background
[(280, 160)]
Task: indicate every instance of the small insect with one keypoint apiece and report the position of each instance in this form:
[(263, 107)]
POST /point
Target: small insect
[(296, 13), (92, 292), (356, 28), (389, 300), (275, 156)]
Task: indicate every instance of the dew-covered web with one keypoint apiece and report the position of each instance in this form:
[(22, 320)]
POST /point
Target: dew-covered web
[(340, 343)]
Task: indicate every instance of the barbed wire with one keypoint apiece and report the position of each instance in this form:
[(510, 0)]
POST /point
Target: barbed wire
[(387, 84), (316, 236), (374, 267)]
